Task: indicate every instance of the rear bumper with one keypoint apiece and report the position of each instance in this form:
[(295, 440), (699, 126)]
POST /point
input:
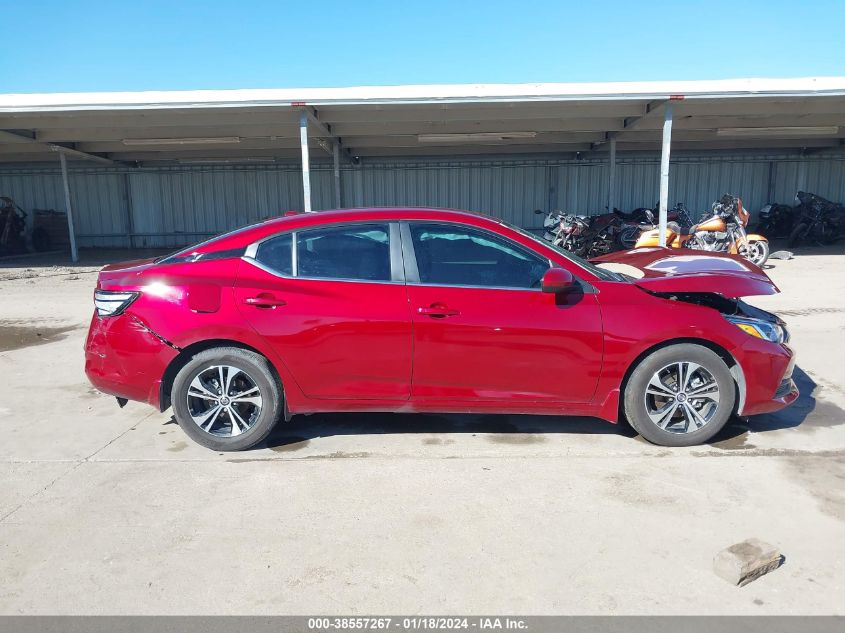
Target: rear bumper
[(125, 359), (768, 377)]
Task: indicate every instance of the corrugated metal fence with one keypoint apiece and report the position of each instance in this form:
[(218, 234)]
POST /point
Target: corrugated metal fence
[(177, 205)]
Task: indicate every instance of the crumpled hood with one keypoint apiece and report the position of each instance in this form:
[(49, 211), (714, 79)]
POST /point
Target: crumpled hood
[(669, 270)]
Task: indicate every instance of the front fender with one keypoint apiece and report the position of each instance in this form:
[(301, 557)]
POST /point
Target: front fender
[(756, 237)]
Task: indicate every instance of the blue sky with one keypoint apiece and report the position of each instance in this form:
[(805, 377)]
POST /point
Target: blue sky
[(75, 46)]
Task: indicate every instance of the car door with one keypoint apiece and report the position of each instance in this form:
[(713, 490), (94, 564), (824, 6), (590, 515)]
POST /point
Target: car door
[(483, 329), (332, 302)]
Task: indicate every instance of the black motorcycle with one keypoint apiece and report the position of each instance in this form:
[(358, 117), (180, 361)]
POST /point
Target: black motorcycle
[(12, 227), (633, 223), (819, 220), (776, 220)]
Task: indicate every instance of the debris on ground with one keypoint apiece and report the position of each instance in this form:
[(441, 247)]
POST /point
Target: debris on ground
[(781, 255), (745, 562)]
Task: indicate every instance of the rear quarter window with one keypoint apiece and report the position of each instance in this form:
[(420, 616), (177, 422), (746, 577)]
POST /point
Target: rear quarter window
[(277, 253)]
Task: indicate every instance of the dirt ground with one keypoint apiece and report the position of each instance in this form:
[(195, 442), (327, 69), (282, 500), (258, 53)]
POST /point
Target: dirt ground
[(114, 511)]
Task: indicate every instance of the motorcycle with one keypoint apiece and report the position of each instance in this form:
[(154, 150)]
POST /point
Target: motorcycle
[(820, 220), (574, 234), (577, 233), (776, 220), (722, 230), (642, 219), (640, 215), (551, 223), (12, 227), (634, 223)]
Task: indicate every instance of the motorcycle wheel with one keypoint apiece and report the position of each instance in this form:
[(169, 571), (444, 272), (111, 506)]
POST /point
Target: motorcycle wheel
[(798, 235), (757, 252), (828, 235), (628, 238)]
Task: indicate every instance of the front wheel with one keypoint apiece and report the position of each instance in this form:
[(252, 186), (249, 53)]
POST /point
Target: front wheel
[(757, 252), (680, 395), (227, 398)]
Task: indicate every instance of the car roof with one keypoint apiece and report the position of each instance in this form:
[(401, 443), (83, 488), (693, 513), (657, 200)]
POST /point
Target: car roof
[(291, 221), (387, 213)]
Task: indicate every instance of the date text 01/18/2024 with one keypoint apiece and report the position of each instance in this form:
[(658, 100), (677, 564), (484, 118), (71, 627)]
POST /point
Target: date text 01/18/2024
[(415, 623)]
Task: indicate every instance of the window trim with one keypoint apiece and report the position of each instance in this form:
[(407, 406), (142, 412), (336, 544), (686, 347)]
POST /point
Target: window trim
[(412, 274), (397, 272)]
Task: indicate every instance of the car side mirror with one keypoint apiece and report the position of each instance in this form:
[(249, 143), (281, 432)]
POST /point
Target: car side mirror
[(557, 280)]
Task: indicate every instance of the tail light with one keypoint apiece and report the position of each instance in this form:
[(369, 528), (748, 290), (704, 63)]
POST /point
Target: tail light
[(112, 302)]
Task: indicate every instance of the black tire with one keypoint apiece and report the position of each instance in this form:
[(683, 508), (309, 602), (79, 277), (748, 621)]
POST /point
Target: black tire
[(636, 399), (798, 235), (829, 234), (628, 237), (257, 369)]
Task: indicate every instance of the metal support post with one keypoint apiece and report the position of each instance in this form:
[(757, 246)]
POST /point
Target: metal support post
[(73, 253), (664, 172), (306, 173)]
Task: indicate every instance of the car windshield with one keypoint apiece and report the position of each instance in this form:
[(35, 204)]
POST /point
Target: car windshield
[(601, 273)]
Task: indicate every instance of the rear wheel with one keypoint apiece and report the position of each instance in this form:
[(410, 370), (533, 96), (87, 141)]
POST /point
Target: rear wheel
[(227, 398), (798, 235), (680, 395), (628, 237)]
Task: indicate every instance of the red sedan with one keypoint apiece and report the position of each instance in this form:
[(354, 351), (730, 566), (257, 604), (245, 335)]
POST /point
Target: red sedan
[(424, 310)]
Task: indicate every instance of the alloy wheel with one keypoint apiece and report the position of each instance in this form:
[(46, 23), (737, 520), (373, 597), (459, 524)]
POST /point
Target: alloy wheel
[(754, 252), (681, 397), (223, 400)]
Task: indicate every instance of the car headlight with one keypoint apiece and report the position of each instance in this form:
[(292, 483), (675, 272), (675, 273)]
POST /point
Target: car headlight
[(765, 330)]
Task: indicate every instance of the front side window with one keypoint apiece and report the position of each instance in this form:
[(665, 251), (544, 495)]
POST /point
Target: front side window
[(344, 252), (454, 255)]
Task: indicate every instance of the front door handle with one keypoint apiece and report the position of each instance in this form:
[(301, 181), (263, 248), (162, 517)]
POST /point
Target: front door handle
[(264, 300), (438, 311)]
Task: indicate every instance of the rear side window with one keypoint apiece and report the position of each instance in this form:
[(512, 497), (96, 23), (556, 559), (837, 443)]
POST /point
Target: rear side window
[(277, 253), (453, 255), (359, 252)]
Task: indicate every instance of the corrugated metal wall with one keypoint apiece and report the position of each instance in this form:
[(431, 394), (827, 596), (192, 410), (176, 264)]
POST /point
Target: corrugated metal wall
[(174, 206)]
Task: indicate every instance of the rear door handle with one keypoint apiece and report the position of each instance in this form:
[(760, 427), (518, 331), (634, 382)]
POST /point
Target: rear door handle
[(264, 301), (438, 311)]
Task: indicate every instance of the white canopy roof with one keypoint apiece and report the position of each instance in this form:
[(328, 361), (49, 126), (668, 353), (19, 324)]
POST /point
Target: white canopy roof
[(263, 124)]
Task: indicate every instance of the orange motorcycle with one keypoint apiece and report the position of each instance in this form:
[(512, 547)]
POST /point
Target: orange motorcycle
[(723, 230)]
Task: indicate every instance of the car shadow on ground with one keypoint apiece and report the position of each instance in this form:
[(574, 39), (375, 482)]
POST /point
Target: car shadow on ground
[(507, 429), (808, 412), (529, 429)]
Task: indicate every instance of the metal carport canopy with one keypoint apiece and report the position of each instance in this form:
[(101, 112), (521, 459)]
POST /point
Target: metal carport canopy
[(267, 125)]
